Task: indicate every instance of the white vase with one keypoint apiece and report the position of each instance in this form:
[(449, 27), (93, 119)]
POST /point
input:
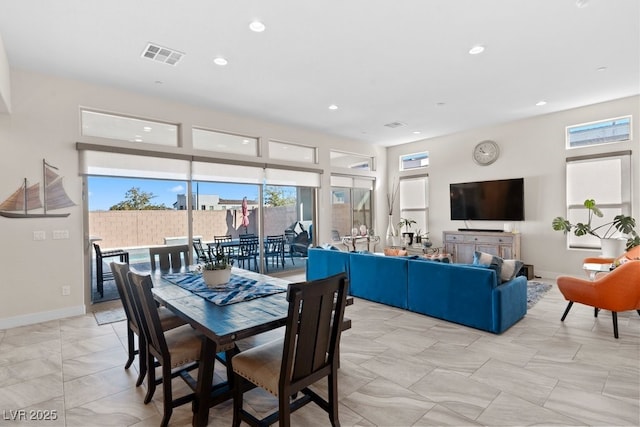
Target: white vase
[(216, 277), (612, 248)]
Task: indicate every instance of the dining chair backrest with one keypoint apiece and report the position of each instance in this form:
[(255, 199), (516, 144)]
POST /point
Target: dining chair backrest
[(202, 254), (274, 244), (170, 257), (120, 271), (225, 238), (247, 236), (249, 245), (147, 309), (313, 330)]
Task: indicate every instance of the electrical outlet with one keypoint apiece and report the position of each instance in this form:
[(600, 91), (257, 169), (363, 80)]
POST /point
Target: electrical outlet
[(66, 291), (39, 235)]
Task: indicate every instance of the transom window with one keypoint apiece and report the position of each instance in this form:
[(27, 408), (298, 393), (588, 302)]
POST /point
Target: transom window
[(222, 142), (600, 132), (123, 128), (414, 161)]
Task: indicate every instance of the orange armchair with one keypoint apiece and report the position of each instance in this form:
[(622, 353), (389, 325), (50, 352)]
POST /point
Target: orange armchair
[(617, 291)]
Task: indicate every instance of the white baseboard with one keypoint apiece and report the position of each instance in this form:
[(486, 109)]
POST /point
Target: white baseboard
[(43, 316)]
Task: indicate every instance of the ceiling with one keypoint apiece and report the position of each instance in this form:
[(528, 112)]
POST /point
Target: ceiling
[(379, 61)]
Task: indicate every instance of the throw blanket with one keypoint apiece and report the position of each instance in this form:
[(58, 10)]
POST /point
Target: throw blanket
[(238, 289)]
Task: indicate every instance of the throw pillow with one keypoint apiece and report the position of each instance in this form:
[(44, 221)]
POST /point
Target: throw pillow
[(510, 267), (492, 261)]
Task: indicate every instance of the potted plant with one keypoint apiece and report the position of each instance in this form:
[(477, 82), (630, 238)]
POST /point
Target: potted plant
[(620, 223), (406, 223), (217, 272)]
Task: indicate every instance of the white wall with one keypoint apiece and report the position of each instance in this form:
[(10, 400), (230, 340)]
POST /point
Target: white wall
[(5, 81), (534, 149), (44, 123)]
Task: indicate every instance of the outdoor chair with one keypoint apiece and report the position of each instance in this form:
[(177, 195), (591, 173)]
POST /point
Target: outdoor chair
[(170, 257), (227, 250), (274, 251), (247, 251), (168, 320), (203, 254), (101, 275), (307, 353)]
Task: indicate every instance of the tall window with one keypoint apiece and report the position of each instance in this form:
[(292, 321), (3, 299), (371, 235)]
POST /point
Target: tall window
[(350, 204), (414, 202), (605, 179)]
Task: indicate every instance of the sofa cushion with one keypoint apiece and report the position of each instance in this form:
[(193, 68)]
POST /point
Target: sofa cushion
[(506, 269), (394, 252), (491, 261), (510, 267)]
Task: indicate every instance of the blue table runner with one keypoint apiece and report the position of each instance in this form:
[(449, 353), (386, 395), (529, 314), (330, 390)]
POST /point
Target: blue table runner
[(237, 290)]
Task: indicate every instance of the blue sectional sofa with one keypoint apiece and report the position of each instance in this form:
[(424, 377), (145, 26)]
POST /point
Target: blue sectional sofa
[(467, 294)]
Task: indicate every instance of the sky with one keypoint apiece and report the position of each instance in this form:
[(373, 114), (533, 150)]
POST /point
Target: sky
[(105, 192)]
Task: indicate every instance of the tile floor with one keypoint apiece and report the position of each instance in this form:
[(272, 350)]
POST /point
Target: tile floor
[(398, 369)]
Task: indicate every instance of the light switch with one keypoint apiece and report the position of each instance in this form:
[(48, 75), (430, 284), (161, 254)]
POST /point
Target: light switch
[(39, 235), (60, 234)]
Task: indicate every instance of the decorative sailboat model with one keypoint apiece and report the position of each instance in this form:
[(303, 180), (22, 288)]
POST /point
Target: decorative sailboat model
[(27, 198)]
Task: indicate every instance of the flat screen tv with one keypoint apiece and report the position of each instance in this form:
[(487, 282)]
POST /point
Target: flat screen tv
[(500, 200)]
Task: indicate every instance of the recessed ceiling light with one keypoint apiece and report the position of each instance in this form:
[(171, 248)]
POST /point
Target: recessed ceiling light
[(476, 50), (416, 132), (257, 26), (147, 128), (220, 61), (541, 103), (333, 107)]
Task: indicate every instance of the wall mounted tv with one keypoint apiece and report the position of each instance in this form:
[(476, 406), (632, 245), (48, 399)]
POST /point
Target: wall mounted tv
[(500, 200)]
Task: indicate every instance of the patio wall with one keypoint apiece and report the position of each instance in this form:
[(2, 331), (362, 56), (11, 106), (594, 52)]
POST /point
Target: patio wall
[(122, 229)]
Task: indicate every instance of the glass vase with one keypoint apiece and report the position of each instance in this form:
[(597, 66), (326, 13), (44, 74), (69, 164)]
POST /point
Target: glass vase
[(391, 232)]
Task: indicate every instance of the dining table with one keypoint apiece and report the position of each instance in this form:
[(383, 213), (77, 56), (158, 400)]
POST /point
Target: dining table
[(222, 325)]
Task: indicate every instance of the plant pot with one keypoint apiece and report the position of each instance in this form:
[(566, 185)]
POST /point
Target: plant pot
[(418, 238), (408, 238), (216, 277), (612, 248)]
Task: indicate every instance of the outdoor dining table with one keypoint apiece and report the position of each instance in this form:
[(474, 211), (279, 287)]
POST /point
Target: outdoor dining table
[(222, 325)]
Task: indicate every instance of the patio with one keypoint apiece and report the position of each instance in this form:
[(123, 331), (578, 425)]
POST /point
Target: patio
[(139, 261)]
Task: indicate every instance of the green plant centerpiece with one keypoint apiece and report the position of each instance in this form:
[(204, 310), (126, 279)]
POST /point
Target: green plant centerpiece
[(218, 271), (620, 223), (406, 223)]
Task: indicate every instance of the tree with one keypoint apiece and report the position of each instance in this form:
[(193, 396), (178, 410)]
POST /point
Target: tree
[(277, 196), (135, 199)]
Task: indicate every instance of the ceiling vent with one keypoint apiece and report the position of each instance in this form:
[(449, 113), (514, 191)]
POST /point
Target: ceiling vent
[(162, 54), (394, 125)]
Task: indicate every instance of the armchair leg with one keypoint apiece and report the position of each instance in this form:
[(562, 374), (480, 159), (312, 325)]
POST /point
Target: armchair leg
[(566, 311), (614, 316)]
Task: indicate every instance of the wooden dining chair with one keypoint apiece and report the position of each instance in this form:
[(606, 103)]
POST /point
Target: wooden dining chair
[(176, 350), (168, 320), (307, 353), (170, 257)]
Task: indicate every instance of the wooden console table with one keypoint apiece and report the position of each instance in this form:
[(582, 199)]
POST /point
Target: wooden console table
[(462, 244)]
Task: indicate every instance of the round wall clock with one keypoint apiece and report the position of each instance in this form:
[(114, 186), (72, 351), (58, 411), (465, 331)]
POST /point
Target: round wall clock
[(486, 152)]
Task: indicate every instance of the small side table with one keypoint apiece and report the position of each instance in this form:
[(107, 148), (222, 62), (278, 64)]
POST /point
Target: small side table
[(593, 266)]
